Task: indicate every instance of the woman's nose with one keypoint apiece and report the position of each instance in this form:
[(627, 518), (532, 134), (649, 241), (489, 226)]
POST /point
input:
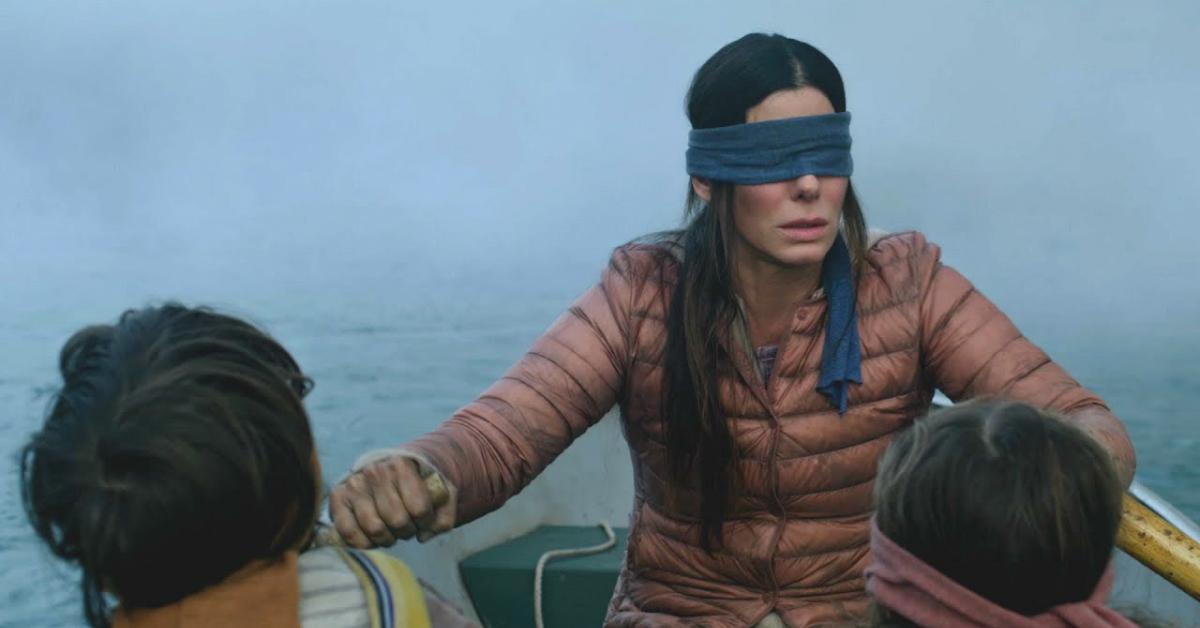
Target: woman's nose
[(808, 187)]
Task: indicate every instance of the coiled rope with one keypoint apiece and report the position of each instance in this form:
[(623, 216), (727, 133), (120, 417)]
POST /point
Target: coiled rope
[(564, 553)]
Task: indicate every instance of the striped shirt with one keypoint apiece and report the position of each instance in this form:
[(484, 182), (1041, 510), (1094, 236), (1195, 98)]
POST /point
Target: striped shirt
[(332, 596), (766, 360)]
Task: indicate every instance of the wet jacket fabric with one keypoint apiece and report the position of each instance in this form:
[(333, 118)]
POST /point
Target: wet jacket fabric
[(796, 539)]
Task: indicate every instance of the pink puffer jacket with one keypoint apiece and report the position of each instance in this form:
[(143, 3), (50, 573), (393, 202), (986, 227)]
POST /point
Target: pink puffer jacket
[(796, 539)]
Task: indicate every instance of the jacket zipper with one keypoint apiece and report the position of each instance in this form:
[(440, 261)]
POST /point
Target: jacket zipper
[(762, 386)]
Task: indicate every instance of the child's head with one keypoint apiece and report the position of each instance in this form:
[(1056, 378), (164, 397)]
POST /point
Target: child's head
[(1016, 505), (177, 451)]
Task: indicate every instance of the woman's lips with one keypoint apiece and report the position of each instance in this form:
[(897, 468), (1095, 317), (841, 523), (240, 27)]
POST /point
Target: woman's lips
[(805, 229)]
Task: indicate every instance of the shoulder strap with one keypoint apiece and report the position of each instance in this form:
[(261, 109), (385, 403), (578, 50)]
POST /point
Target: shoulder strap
[(394, 597)]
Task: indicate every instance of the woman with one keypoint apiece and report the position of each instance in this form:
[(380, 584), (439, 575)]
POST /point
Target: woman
[(762, 359), (994, 515), (177, 468)]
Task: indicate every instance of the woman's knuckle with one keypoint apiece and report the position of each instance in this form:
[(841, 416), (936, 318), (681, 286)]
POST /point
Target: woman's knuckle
[(421, 509), (372, 473), (400, 520), (356, 482)]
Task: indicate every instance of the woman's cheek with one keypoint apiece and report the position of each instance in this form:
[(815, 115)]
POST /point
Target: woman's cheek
[(834, 189), (760, 199)]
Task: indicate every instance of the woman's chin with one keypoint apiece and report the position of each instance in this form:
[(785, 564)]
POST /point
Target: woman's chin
[(803, 253)]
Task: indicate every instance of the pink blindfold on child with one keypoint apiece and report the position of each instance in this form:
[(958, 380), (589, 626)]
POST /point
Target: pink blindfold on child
[(908, 586)]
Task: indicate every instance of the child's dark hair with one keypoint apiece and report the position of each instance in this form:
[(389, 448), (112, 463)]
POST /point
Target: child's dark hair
[(177, 451), (1013, 503)]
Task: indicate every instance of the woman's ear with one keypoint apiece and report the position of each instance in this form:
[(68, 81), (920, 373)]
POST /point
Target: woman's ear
[(702, 188)]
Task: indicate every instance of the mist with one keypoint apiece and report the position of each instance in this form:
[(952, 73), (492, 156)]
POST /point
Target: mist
[(1049, 149)]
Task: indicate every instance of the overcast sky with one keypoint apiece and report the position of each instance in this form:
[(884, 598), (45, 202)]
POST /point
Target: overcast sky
[(1051, 148)]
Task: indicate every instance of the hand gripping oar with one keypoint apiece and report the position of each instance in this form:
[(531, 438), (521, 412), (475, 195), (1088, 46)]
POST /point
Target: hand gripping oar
[(327, 534)]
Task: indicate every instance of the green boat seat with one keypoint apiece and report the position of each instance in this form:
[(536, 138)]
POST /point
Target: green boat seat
[(575, 590)]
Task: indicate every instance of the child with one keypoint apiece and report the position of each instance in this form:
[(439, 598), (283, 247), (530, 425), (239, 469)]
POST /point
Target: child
[(994, 514), (177, 468)]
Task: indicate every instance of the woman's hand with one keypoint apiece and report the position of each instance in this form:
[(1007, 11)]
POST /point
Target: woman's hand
[(391, 499)]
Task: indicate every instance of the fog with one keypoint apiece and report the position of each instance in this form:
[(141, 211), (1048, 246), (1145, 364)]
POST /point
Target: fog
[(1049, 148)]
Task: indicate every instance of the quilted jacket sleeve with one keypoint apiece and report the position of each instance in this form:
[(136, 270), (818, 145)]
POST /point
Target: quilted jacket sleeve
[(970, 348), (570, 378)]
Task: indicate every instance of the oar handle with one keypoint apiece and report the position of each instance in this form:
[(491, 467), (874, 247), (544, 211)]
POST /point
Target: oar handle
[(1160, 546), (437, 489)]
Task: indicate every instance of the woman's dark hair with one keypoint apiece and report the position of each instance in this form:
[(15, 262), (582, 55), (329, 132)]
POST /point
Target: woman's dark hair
[(177, 451), (1011, 502), (736, 78)]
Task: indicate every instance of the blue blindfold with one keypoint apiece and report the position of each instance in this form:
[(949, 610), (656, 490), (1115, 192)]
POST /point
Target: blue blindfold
[(775, 150)]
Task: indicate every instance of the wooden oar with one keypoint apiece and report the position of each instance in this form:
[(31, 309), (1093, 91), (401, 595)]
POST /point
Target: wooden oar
[(1160, 546)]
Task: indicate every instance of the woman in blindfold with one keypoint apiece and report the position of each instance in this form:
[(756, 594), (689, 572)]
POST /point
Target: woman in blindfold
[(762, 358)]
